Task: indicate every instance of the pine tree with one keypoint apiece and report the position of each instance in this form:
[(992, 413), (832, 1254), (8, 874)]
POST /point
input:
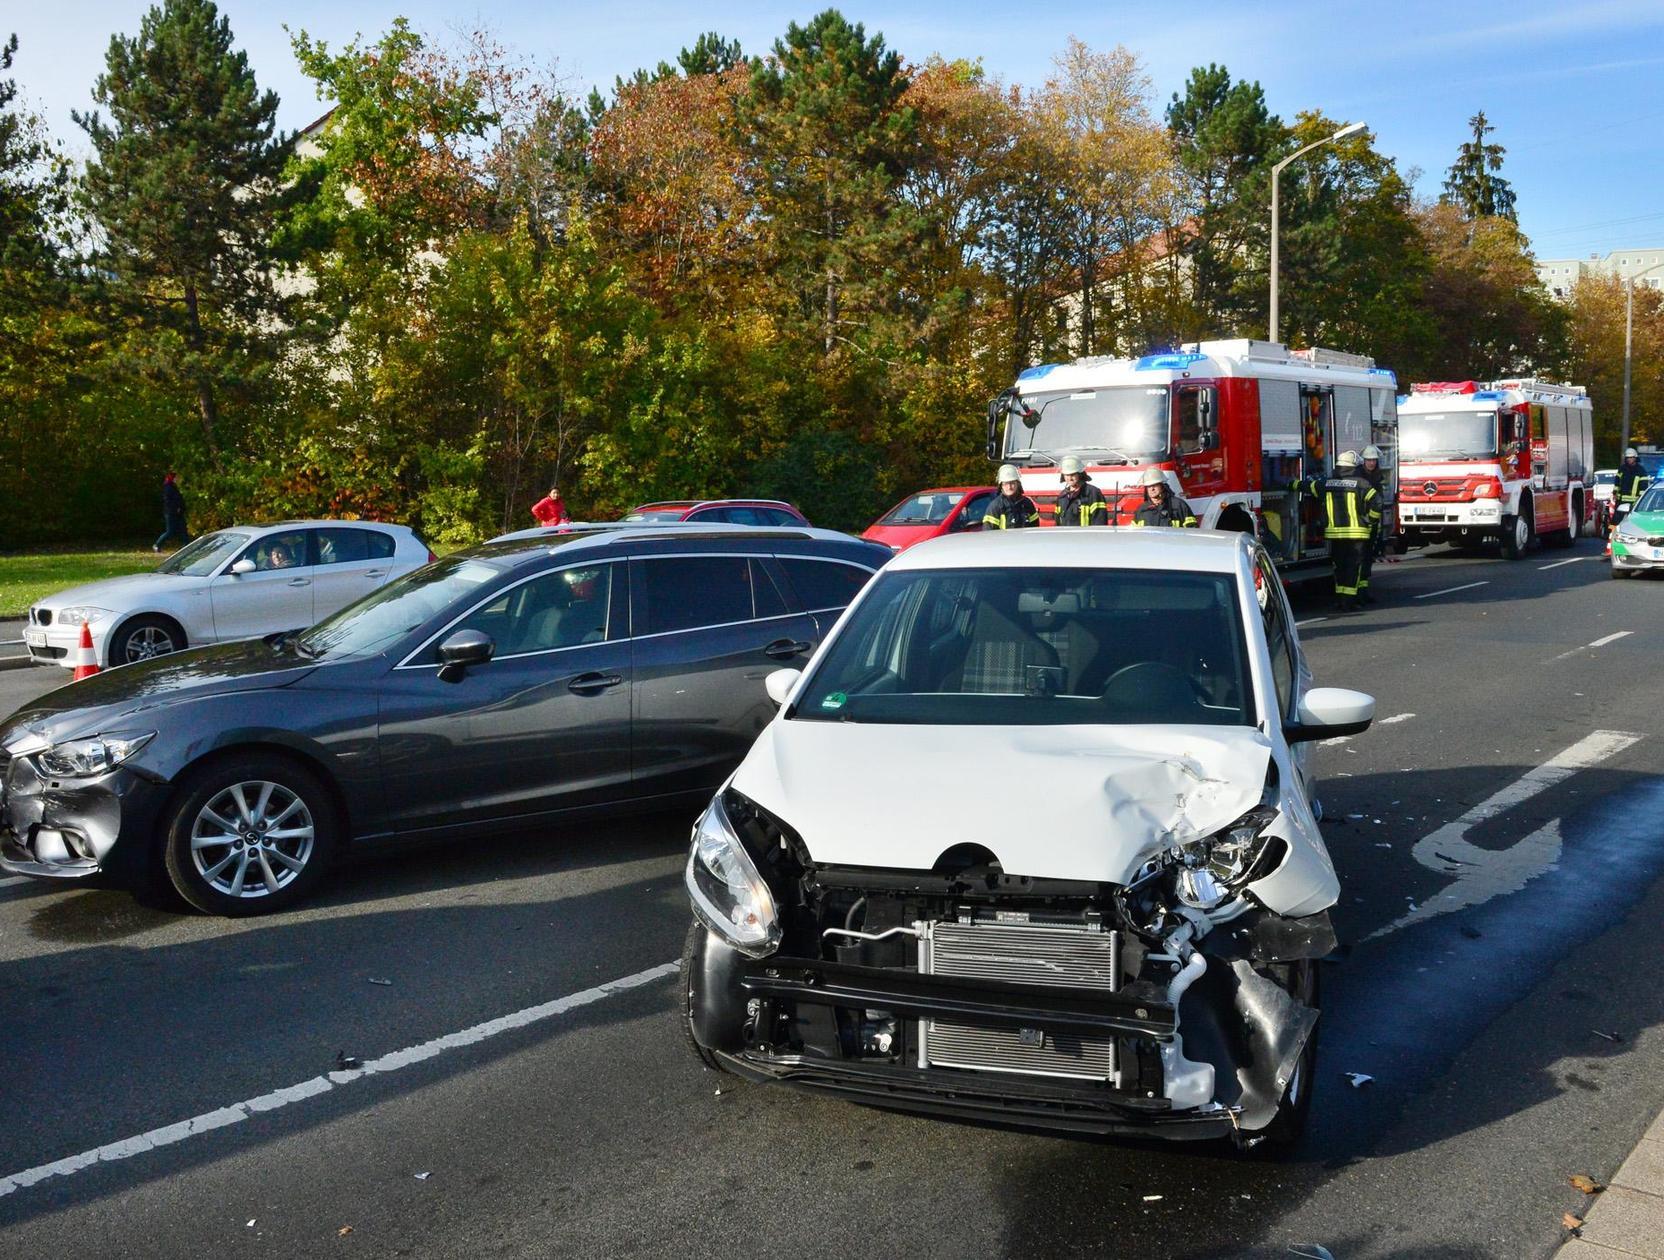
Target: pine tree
[(184, 185), (1473, 183)]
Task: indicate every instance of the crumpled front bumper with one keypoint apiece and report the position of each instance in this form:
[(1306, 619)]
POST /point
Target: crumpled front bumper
[(73, 829)]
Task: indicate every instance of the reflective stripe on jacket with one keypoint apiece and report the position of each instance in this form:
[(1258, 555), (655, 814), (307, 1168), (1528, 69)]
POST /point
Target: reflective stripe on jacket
[(1631, 482), (1004, 513), (1172, 510), (1351, 506), (1083, 507)]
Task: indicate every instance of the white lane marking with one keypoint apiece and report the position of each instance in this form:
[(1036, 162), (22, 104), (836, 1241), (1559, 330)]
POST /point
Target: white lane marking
[(1452, 590), (1345, 739), (1309, 621), (236, 1113), (1602, 642), (1482, 874), (1558, 563), (13, 880)]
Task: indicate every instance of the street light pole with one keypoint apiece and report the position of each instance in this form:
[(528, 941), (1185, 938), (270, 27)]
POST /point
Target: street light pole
[(1277, 171), (1629, 342)]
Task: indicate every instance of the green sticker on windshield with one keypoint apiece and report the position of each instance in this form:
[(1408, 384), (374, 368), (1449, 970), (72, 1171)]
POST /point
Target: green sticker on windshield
[(836, 700)]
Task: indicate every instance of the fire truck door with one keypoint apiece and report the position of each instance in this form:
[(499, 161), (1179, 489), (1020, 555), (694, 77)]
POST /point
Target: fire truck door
[(1198, 455), (1317, 407)]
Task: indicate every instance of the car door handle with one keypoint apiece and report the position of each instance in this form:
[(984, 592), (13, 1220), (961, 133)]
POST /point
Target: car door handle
[(376, 573), (300, 581), (785, 649), (585, 683)]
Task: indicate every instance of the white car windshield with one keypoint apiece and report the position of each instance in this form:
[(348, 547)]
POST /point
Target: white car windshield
[(202, 556), (1652, 500), (1038, 647), (379, 620)]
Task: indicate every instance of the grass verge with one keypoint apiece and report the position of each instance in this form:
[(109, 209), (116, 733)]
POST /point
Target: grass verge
[(27, 576)]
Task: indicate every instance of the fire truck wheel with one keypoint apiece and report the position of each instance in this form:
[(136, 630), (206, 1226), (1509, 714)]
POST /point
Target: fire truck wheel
[(1516, 533), (1401, 544)]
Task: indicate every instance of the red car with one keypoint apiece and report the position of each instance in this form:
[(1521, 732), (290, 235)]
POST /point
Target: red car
[(929, 513), (720, 512)]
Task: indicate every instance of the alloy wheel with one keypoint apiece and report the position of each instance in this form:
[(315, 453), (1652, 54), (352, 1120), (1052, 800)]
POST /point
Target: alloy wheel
[(147, 642), (252, 839)]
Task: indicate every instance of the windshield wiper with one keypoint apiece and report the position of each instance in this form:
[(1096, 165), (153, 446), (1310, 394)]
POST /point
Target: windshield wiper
[(1032, 456), (1106, 450)]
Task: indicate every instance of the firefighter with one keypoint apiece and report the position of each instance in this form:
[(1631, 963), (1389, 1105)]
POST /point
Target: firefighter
[(1370, 471), (1351, 511), (1160, 507), (1632, 479), (1081, 502), (1011, 508)]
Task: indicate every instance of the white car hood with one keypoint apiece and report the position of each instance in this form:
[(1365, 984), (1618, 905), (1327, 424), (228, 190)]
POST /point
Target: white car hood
[(119, 593), (1060, 802)]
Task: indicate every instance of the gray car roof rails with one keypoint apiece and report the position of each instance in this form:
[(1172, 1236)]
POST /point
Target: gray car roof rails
[(683, 533)]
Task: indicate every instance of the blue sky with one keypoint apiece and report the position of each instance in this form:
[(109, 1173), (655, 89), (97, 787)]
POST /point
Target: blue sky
[(1576, 90)]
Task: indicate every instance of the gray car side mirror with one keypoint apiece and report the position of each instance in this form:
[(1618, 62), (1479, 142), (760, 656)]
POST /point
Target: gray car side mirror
[(462, 649)]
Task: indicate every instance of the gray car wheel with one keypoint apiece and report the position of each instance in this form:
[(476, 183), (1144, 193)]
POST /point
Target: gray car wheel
[(249, 835)]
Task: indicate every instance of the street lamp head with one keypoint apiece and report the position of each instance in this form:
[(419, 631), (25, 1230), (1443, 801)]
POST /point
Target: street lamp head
[(1348, 130)]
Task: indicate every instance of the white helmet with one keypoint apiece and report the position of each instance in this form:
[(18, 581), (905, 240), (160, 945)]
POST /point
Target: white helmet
[(1632, 453), (1347, 459), (1372, 452), (1072, 464), (1008, 472), (1153, 477)]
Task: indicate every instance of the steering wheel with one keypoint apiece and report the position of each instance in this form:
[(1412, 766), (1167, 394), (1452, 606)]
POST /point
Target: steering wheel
[(1151, 686)]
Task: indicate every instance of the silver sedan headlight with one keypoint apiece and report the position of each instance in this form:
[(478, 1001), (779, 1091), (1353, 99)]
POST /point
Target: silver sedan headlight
[(84, 758), (729, 894), (79, 613)]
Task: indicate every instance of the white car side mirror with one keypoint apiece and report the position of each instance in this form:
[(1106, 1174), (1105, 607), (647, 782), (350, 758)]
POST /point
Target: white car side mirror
[(779, 684), (245, 565), (1329, 712)]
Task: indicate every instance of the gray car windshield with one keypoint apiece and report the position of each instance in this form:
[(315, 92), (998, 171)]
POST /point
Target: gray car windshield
[(202, 556), (382, 619), (1447, 435), (1127, 422), (1038, 647)]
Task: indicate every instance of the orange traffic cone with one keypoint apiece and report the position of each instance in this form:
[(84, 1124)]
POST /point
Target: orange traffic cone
[(86, 660)]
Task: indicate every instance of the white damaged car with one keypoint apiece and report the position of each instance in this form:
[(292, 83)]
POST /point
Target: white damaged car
[(1032, 841)]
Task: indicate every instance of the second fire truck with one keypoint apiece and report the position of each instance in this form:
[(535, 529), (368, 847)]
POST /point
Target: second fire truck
[(1511, 461), (1233, 424)]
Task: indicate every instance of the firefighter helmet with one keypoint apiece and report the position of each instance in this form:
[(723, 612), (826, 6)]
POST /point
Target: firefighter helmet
[(1631, 453), (1072, 464), (1372, 452), (1347, 459), (1008, 472), (1152, 477)]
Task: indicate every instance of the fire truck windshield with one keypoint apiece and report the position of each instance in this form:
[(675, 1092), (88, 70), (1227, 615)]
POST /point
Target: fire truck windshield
[(1123, 424), (1447, 435)]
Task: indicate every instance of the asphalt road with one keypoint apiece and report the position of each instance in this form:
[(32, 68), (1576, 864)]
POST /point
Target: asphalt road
[(1479, 970)]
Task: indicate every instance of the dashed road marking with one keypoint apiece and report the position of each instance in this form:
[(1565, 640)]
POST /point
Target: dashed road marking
[(236, 1113), (1346, 739), (1484, 874), (1309, 621), (1601, 642), (1452, 590), (1396, 717), (1558, 563)]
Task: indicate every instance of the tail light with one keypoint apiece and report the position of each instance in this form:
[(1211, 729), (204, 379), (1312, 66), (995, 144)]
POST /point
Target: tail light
[(1487, 488)]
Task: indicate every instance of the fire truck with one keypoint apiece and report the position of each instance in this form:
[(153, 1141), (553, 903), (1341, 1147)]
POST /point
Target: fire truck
[(1233, 425), (1510, 460)]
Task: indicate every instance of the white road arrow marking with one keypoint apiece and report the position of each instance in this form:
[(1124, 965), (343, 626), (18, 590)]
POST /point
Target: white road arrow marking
[(1483, 874)]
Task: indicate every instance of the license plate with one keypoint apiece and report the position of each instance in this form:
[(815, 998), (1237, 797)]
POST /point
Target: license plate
[(35, 638)]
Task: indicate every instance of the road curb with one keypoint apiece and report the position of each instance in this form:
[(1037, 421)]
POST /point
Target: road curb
[(16, 662), (1628, 1217)]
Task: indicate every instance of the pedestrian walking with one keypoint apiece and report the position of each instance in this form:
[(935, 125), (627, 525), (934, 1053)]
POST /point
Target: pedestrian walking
[(173, 513), (551, 510), (1011, 508), (1351, 512), (1081, 502), (1161, 506)]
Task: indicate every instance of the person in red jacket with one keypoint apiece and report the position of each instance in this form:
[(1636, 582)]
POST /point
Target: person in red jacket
[(551, 510)]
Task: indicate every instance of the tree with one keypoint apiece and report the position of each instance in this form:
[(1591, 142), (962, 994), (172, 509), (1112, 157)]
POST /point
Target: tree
[(1596, 361), (824, 123), (1225, 139), (184, 186), (1473, 183)]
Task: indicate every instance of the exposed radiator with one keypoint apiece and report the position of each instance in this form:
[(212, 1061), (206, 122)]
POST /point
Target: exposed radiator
[(1022, 953)]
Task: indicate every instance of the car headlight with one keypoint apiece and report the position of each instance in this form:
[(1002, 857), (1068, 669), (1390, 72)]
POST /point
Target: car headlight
[(1630, 532), (1211, 869), (79, 613), (83, 758), (729, 894)]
